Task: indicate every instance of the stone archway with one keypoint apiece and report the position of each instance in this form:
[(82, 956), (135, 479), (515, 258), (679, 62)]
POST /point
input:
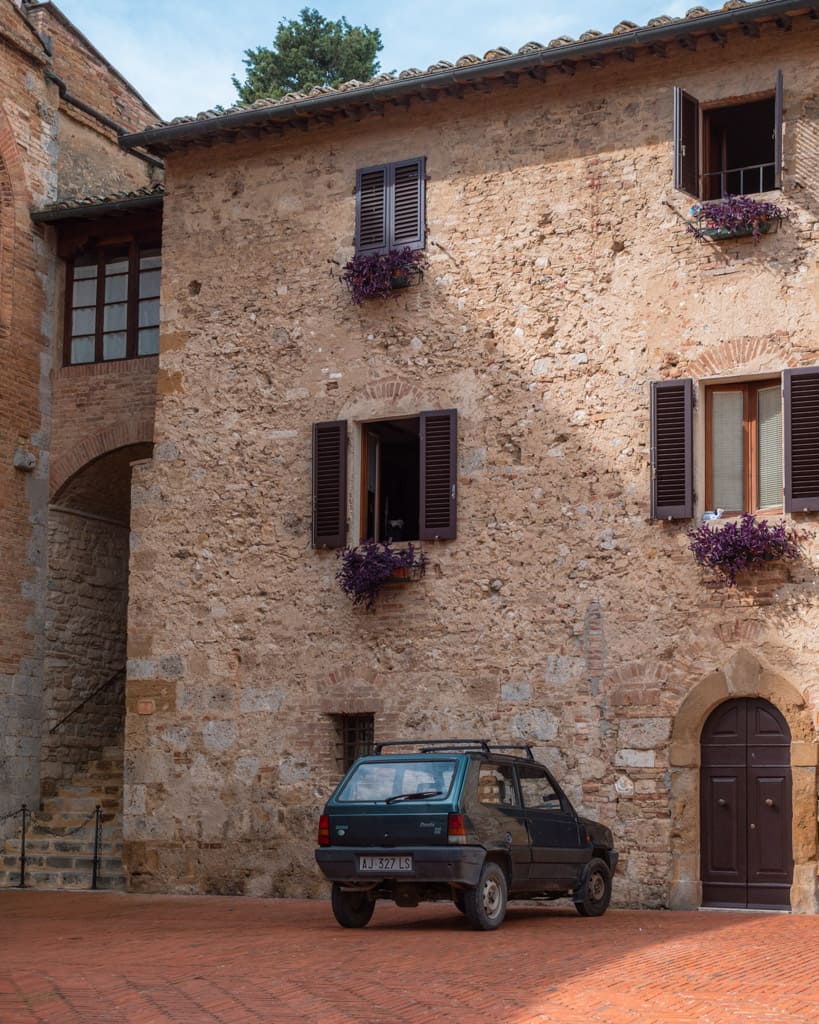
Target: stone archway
[(87, 603), (742, 676)]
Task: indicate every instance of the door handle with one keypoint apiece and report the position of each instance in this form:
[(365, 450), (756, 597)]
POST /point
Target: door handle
[(721, 802), (753, 826), (769, 802)]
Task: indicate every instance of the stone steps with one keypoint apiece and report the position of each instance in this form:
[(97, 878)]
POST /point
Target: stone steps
[(60, 836)]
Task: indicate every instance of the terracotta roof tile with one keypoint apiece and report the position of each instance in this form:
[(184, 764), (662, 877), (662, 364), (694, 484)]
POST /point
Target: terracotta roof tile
[(157, 191), (494, 54)]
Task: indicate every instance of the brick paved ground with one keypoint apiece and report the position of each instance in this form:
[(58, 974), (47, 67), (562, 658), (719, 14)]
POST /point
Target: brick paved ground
[(102, 958)]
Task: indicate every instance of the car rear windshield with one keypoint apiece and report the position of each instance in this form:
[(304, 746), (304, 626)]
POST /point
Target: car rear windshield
[(385, 780)]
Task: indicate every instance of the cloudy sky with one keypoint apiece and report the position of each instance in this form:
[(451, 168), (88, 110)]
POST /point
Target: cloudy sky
[(180, 54)]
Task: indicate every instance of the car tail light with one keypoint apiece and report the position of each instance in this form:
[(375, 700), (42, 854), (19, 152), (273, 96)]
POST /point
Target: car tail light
[(456, 829), (324, 831)]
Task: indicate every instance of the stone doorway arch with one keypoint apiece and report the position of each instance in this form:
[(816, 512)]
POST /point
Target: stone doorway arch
[(743, 675), (87, 601)]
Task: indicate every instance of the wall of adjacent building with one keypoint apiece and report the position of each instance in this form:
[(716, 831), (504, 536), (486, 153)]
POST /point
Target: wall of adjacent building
[(48, 150), (561, 282)]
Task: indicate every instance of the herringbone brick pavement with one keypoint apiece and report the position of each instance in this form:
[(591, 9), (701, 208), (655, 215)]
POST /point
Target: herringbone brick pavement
[(112, 958)]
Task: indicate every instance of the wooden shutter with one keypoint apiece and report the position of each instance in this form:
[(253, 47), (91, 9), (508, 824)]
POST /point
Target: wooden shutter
[(800, 407), (407, 205), (439, 449), (371, 232), (686, 142), (672, 489), (778, 115), (390, 206), (329, 484)]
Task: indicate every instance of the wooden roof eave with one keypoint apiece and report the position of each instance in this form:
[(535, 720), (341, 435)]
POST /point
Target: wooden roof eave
[(97, 211)]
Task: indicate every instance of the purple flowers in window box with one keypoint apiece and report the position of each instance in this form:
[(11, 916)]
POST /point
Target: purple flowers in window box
[(366, 569), (733, 217), (742, 544), (377, 274)]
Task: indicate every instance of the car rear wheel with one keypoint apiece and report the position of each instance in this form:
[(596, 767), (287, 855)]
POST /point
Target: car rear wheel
[(351, 909), (485, 905), (598, 890)]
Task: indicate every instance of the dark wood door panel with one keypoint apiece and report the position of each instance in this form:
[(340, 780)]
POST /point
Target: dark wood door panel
[(745, 807)]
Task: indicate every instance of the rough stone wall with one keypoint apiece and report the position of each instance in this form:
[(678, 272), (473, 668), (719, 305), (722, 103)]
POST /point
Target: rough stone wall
[(561, 283), (87, 605)]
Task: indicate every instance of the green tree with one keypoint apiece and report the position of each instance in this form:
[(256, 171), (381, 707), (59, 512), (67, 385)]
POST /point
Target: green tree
[(308, 52)]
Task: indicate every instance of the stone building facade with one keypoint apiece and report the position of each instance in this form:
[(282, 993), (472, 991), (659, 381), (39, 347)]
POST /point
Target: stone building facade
[(545, 413), (64, 538), (562, 283)]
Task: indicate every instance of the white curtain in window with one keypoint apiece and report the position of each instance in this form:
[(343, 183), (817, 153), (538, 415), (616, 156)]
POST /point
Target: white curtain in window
[(769, 442), (726, 450)]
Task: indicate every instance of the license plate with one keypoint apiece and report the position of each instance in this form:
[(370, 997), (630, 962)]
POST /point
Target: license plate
[(385, 863)]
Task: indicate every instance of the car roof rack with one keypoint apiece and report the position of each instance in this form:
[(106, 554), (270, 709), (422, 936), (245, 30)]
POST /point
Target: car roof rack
[(459, 746)]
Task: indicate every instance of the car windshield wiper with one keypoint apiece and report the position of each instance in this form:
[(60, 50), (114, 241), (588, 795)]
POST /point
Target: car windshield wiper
[(423, 795)]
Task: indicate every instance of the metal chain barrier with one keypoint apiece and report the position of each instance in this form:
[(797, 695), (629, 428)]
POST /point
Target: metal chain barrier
[(63, 831), (29, 817)]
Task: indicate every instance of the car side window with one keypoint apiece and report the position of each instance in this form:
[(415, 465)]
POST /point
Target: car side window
[(496, 785), (538, 790)]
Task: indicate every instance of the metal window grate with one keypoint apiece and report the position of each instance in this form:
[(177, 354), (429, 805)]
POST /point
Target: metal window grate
[(355, 737)]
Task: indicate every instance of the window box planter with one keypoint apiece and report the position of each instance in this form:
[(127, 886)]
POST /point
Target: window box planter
[(733, 550), (734, 217), (407, 573), (365, 570), (720, 234), (379, 274)]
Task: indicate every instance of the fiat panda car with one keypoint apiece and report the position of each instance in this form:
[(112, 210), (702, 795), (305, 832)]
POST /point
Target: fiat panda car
[(459, 820)]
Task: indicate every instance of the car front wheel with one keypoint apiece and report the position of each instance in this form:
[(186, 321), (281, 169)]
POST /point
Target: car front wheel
[(485, 905), (598, 890), (351, 909)]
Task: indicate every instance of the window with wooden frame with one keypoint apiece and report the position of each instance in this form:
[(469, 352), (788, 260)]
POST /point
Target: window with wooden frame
[(728, 148), (743, 446), (759, 435), (407, 473), (390, 206), (355, 735), (112, 303)]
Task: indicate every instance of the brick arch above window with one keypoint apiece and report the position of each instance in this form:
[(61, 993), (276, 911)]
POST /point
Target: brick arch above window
[(120, 435), (352, 691), (386, 397), (767, 353)]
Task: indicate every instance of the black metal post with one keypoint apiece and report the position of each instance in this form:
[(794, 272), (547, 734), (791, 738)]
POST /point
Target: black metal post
[(97, 836), (22, 884)]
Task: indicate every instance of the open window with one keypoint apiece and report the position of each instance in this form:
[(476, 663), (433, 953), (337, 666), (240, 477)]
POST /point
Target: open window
[(407, 471), (728, 149)]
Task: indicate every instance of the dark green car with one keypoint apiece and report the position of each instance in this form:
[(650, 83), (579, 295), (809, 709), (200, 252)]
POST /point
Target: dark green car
[(458, 820)]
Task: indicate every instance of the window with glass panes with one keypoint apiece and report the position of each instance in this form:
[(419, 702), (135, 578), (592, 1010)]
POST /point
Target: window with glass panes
[(743, 446), (113, 304)]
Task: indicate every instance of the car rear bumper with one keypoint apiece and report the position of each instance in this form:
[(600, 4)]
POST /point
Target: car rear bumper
[(451, 865)]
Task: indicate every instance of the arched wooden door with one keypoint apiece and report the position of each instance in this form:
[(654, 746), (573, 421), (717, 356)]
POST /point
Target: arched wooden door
[(745, 807)]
